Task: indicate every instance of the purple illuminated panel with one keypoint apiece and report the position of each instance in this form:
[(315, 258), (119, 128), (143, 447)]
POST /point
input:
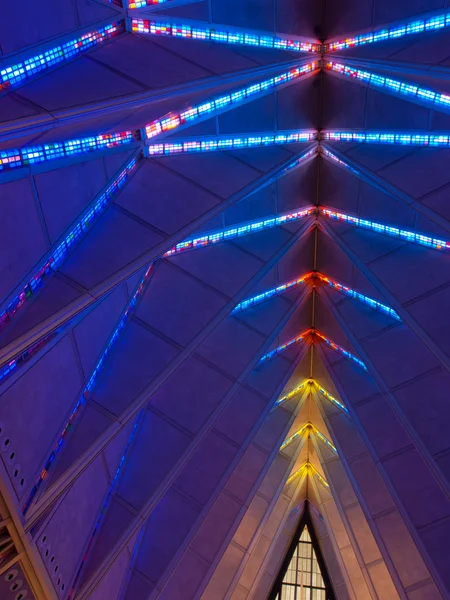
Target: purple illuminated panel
[(208, 109), (221, 34), (137, 295), (19, 73), (221, 235), (106, 502), (60, 253), (11, 366)]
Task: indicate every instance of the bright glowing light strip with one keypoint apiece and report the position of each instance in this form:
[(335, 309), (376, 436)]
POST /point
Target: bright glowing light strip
[(19, 73), (173, 120), (106, 502), (347, 291), (297, 161), (335, 159), (435, 99), (221, 235), (281, 289), (234, 231), (285, 346), (324, 439), (403, 234), (221, 35), (316, 474), (308, 467), (10, 367), (291, 394), (297, 473), (230, 143), (144, 3), (388, 33), (340, 350), (296, 435), (307, 428), (405, 139), (138, 292), (77, 232), (31, 155), (329, 397)]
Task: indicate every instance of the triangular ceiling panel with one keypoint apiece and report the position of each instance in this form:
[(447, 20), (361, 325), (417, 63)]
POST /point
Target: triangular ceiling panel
[(224, 290)]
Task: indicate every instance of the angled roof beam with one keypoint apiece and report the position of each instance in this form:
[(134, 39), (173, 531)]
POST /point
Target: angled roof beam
[(280, 487), (348, 291), (389, 397), (171, 246), (147, 509), (87, 390), (32, 284), (11, 367), (370, 448), (91, 381), (404, 314), (410, 68), (406, 90), (69, 116), (161, 25), (339, 349), (23, 67), (319, 435), (229, 142), (131, 411), (228, 100), (109, 494), (303, 431), (30, 155), (389, 230), (427, 22), (342, 161), (308, 469)]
